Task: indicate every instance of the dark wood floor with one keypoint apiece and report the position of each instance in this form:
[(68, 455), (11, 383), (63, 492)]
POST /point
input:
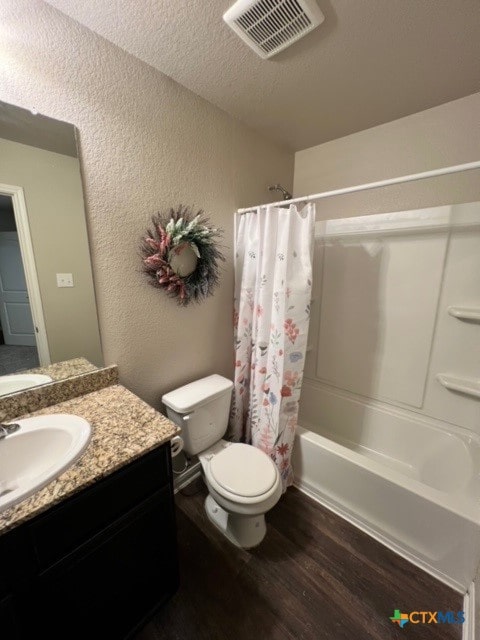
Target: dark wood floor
[(314, 577)]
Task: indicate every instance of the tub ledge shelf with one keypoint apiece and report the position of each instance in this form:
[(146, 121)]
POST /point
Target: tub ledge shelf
[(464, 313), (468, 386)]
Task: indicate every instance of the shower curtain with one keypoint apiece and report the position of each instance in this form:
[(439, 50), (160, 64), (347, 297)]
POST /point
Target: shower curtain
[(273, 277)]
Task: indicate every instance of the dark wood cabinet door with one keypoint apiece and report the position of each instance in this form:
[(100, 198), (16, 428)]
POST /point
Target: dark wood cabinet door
[(107, 590), (73, 522), (8, 627)]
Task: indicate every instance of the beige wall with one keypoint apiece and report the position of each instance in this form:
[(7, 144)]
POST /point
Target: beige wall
[(146, 144), (54, 199), (443, 136)]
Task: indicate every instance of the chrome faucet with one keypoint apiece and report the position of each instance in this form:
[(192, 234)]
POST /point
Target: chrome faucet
[(7, 429)]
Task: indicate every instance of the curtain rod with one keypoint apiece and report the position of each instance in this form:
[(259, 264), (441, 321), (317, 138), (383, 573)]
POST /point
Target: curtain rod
[(373, 185)]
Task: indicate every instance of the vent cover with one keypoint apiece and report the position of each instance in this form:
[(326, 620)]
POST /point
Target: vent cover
[(268, 26)]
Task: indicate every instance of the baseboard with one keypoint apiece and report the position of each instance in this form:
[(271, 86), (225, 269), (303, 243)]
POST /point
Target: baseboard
[(339, 510), (189, 475)]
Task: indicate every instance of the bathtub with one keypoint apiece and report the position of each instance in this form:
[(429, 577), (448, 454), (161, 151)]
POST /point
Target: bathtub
[(409, 483)]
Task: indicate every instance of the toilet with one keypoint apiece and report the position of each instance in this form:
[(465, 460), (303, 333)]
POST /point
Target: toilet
[(243, 482)]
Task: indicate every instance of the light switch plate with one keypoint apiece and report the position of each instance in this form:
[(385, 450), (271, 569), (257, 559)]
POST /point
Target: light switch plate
[(64, 280)]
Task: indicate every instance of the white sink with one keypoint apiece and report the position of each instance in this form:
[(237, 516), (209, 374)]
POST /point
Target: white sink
[(19, 381), (38, 452)]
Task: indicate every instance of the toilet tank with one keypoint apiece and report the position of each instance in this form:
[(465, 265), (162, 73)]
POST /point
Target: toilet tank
[(201, 410)]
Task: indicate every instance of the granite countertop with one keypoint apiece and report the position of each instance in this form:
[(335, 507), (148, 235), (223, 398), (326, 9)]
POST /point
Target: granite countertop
[(65, 369), (123, 429)]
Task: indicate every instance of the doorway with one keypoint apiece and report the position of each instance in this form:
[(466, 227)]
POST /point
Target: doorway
[(18, 347), (23, 344)]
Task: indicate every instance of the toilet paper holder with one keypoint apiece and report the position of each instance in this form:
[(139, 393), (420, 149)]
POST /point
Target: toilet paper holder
[(176, 445)]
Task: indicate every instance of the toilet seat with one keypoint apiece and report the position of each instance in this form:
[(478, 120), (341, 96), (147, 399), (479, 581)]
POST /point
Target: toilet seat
[(241, 473), (243, 470)]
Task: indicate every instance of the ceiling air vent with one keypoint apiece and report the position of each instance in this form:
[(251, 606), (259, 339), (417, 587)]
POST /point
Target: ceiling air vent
[(268, 26)]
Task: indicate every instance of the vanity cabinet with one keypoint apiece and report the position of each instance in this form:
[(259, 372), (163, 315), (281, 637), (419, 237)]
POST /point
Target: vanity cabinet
[(98, 564), (8, 626)]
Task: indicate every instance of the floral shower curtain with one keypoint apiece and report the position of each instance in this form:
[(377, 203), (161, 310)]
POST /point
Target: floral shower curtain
[(273, 276)]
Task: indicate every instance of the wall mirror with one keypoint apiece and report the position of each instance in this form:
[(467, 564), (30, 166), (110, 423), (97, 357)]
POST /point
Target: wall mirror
[(48, 315)]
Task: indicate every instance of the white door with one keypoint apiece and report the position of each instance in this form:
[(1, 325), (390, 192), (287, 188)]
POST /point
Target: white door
[(15, 314)]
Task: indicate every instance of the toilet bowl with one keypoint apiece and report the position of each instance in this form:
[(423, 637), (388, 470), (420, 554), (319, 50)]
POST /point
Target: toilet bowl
[(243, 484), (242, 481)]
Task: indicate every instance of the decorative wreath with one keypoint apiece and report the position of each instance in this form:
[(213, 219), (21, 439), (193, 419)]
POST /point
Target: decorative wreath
[(180, 255)]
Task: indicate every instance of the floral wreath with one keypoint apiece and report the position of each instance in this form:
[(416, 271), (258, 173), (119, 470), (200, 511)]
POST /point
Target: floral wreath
[(180, 255)]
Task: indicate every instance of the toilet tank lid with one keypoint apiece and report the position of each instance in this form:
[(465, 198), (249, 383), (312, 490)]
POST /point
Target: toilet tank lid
[(186, 398)]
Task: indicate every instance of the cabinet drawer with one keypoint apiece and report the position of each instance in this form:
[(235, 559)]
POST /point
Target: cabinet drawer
[(71, 523)]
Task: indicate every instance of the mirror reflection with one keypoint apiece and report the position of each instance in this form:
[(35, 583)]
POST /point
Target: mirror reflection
[(47, 301)]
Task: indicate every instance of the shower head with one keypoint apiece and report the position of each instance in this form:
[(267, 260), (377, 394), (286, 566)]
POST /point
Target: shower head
[(278, 187)]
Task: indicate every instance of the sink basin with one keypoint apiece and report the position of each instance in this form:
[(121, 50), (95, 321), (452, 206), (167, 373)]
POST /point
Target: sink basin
[(19, 381), (38, 452)]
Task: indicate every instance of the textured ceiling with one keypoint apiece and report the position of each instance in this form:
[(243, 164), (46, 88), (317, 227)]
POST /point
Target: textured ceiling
[(370, 62)]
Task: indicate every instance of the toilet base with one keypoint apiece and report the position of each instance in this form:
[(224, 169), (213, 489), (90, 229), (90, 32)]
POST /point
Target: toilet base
[(242, 531)]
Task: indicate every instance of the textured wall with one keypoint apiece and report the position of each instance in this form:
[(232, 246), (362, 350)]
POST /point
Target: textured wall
[(54, 199), (439, 137), (146, 143)]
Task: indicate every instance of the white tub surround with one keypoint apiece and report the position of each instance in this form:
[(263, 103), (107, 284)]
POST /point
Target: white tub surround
[(391, 390)]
